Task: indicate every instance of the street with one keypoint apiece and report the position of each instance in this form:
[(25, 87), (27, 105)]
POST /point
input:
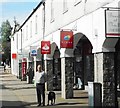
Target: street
[(13, 91), (17, 93)]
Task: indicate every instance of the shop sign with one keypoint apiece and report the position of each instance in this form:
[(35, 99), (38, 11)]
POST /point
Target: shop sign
[(24, 67), (14, 55), (33, 50), (112, 18), (66, 39), (45, 47)]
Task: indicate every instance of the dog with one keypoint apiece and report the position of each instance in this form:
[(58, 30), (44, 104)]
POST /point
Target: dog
[(51, 97)]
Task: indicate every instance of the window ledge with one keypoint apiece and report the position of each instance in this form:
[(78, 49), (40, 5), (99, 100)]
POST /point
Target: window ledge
[(52, 20), (77, 3), (65, 11)]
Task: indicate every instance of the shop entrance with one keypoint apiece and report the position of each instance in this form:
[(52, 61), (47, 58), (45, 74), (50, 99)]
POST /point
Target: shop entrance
[(83, 63), (56, 70), (117, 70), (117, 64)]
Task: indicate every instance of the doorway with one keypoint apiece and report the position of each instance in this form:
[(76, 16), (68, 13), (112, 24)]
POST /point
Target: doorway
[(56, 70), (117, 70), (83, 63)]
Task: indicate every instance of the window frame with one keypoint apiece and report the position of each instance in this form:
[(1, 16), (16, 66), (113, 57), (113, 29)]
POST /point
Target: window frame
[(36, 26), (30, 29), (26, 32), (65, 6), (52, 12)]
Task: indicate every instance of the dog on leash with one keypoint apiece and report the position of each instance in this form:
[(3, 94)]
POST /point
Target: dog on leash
[(51, 97)]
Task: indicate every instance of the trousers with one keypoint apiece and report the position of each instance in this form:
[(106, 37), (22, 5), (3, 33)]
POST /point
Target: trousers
[(40, 89)]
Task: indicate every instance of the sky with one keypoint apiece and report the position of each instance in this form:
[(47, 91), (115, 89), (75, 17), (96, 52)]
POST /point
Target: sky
[(18, 9)]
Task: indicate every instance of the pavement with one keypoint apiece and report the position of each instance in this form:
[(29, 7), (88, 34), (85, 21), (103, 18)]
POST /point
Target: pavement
[(15, 93)]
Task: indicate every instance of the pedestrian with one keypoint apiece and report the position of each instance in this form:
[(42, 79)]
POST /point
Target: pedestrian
[(79, 83), (40, 78), (4, 64), (30, 74)]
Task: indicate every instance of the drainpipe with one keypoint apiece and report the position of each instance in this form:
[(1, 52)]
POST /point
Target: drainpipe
[(44, 65), (20, 73), (43, 30), (21, 41)]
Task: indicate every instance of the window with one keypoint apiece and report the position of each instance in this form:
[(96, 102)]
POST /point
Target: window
[(43, 18), (52, 11), (65, 8), (77, 2), (36, 24), (17, 42), (30, 29), (23, 36), (27, 32)]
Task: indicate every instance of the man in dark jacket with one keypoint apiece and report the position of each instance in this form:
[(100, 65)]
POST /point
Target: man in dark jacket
[(30, 74)]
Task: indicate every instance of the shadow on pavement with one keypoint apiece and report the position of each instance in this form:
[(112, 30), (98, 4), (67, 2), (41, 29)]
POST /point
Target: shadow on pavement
[(22, 88), (80, 97), (67, 103), (18, 88), (19, 104), (12, 104), (2, 86)]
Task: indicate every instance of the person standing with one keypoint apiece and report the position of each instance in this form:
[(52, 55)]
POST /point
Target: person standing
[(40, 78), (30, 74)]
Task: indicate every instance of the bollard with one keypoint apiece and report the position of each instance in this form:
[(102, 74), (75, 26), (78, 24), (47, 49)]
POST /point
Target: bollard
[(95, 94)]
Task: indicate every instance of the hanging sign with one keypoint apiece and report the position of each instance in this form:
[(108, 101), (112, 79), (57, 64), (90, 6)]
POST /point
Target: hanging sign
[(112, 18), (66, 39), (45, 47), (24, 67), (33, 50), (14, 55)]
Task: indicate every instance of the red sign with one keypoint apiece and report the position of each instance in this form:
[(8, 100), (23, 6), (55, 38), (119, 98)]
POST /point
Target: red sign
[(45, 47), (66, 39), (24, 69), (14, 55)]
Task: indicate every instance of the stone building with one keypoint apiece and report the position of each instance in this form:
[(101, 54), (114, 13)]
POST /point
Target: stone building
[(94, 57)]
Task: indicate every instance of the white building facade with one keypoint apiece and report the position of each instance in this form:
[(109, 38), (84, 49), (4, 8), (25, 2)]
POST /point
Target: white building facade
[(95, 53)]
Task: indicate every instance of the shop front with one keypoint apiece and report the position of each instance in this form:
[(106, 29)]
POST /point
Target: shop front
[(83, 63)]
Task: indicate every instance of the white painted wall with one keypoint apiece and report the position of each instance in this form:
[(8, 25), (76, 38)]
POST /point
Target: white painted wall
[(33, 39), (36, 36), (14, 62), (90, 24), (74, 12), (85, 17)]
